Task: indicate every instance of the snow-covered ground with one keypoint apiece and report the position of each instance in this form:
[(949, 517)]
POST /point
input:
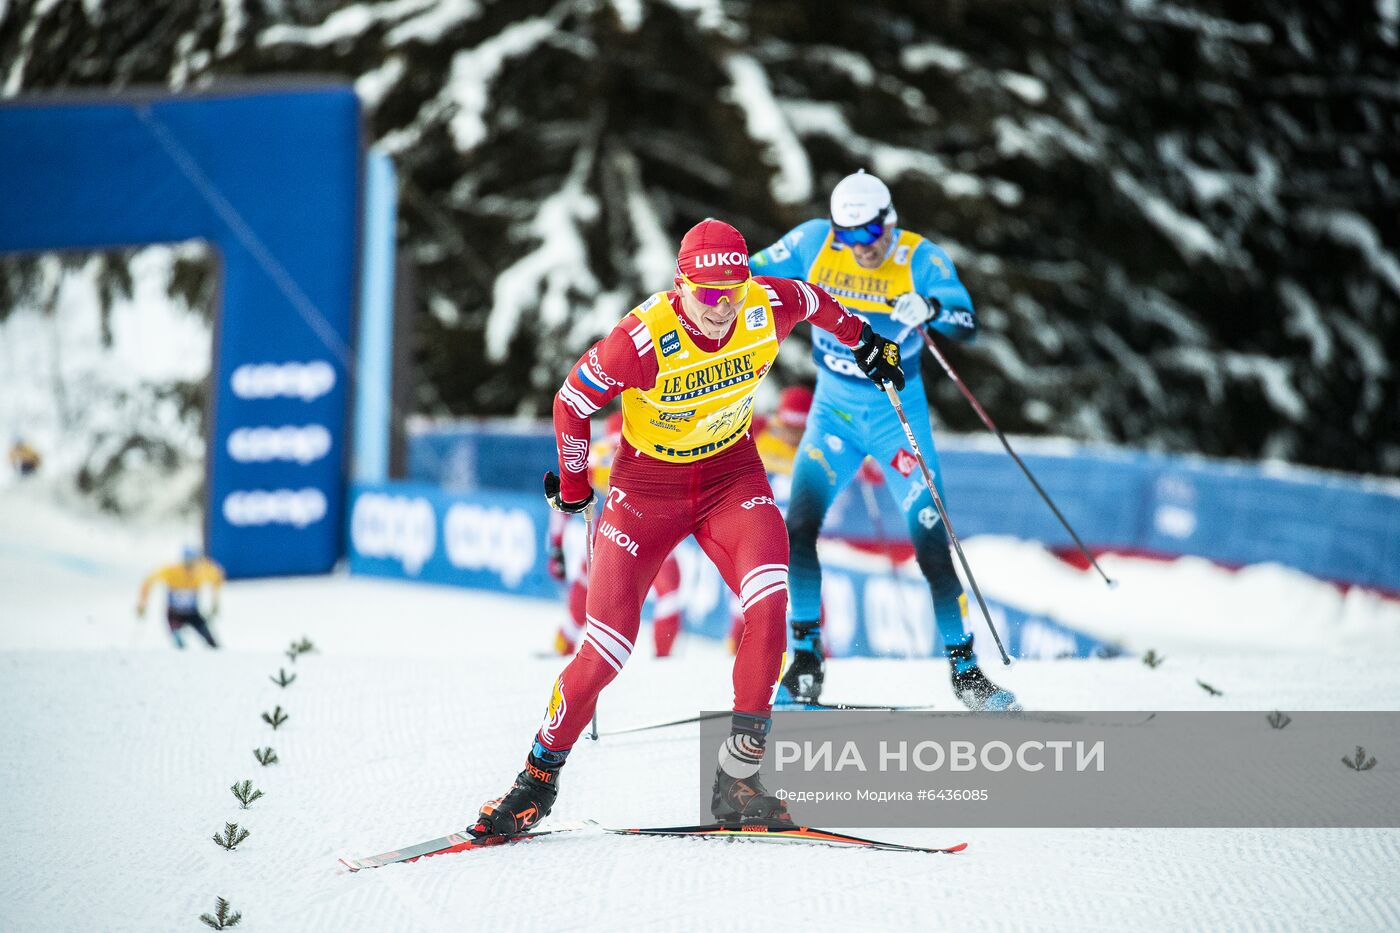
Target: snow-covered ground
[(117, 752)]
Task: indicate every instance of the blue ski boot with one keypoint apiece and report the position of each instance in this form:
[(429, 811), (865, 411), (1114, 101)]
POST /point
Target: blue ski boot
[(802, 683), (972, 687)]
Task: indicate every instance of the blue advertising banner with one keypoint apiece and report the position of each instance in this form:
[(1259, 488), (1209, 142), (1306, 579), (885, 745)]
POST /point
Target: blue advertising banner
[(415, 531), (270, 176), (1339, 528)]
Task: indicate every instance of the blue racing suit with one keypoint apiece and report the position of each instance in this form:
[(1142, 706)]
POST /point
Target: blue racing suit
[(850, 418)]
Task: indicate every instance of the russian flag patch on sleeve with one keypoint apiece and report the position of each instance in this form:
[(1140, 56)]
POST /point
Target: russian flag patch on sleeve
[(590, 380)]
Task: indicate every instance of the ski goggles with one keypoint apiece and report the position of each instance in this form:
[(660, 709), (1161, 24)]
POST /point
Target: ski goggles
[(861, 235), (710, 295)]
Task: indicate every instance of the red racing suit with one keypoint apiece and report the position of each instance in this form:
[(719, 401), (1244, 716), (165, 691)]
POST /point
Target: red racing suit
[(722, 497)]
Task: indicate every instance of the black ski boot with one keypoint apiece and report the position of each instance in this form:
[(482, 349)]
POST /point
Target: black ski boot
[(528, 801), (972, 687), (745, 800), (738, 795), (804, 677)]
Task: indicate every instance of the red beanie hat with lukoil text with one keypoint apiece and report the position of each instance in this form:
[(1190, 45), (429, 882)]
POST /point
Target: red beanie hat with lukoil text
[(713, 251)]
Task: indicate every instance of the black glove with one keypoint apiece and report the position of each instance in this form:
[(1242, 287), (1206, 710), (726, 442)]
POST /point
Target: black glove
[(555, 564), (878, 358), (551, 494)]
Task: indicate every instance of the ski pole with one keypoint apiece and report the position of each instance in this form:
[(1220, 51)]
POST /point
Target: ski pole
[(588, 549), (986, 419), (943, 514)]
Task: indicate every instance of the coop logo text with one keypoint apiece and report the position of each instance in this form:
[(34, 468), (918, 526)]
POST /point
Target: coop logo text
[(302, 444), (486, 537), (295, 507), (306, 381), (400, 528)]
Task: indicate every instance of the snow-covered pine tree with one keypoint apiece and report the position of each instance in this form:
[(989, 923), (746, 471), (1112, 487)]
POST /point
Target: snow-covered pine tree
[(1177, 220)]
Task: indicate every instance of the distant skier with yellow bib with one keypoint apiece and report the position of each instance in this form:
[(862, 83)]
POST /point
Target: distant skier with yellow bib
[(183, 582), (24, 458)]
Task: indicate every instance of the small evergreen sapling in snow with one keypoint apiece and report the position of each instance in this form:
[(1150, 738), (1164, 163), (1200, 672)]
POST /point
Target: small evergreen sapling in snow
[(265, 756), (1152, 659), (299, 648), (221, 919), (1362, 763), (1279, 720), (275, 718), (246, 793), (283, 679), (231, 836)]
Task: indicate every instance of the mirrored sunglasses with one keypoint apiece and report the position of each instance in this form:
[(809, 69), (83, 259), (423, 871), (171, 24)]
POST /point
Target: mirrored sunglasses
[(710, 295), (862, 235)]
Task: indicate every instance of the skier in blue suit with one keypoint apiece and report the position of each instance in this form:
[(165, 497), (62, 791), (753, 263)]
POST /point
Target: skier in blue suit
[(899, 282)]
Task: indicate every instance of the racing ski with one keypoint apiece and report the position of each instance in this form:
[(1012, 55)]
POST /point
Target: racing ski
[(782, 832), (767, 831), (453, 842)]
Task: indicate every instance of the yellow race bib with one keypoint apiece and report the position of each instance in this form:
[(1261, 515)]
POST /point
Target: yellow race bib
[(702, 402), (866, 291)]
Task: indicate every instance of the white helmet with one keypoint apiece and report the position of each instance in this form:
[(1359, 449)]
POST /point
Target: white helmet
[(861, 199)]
